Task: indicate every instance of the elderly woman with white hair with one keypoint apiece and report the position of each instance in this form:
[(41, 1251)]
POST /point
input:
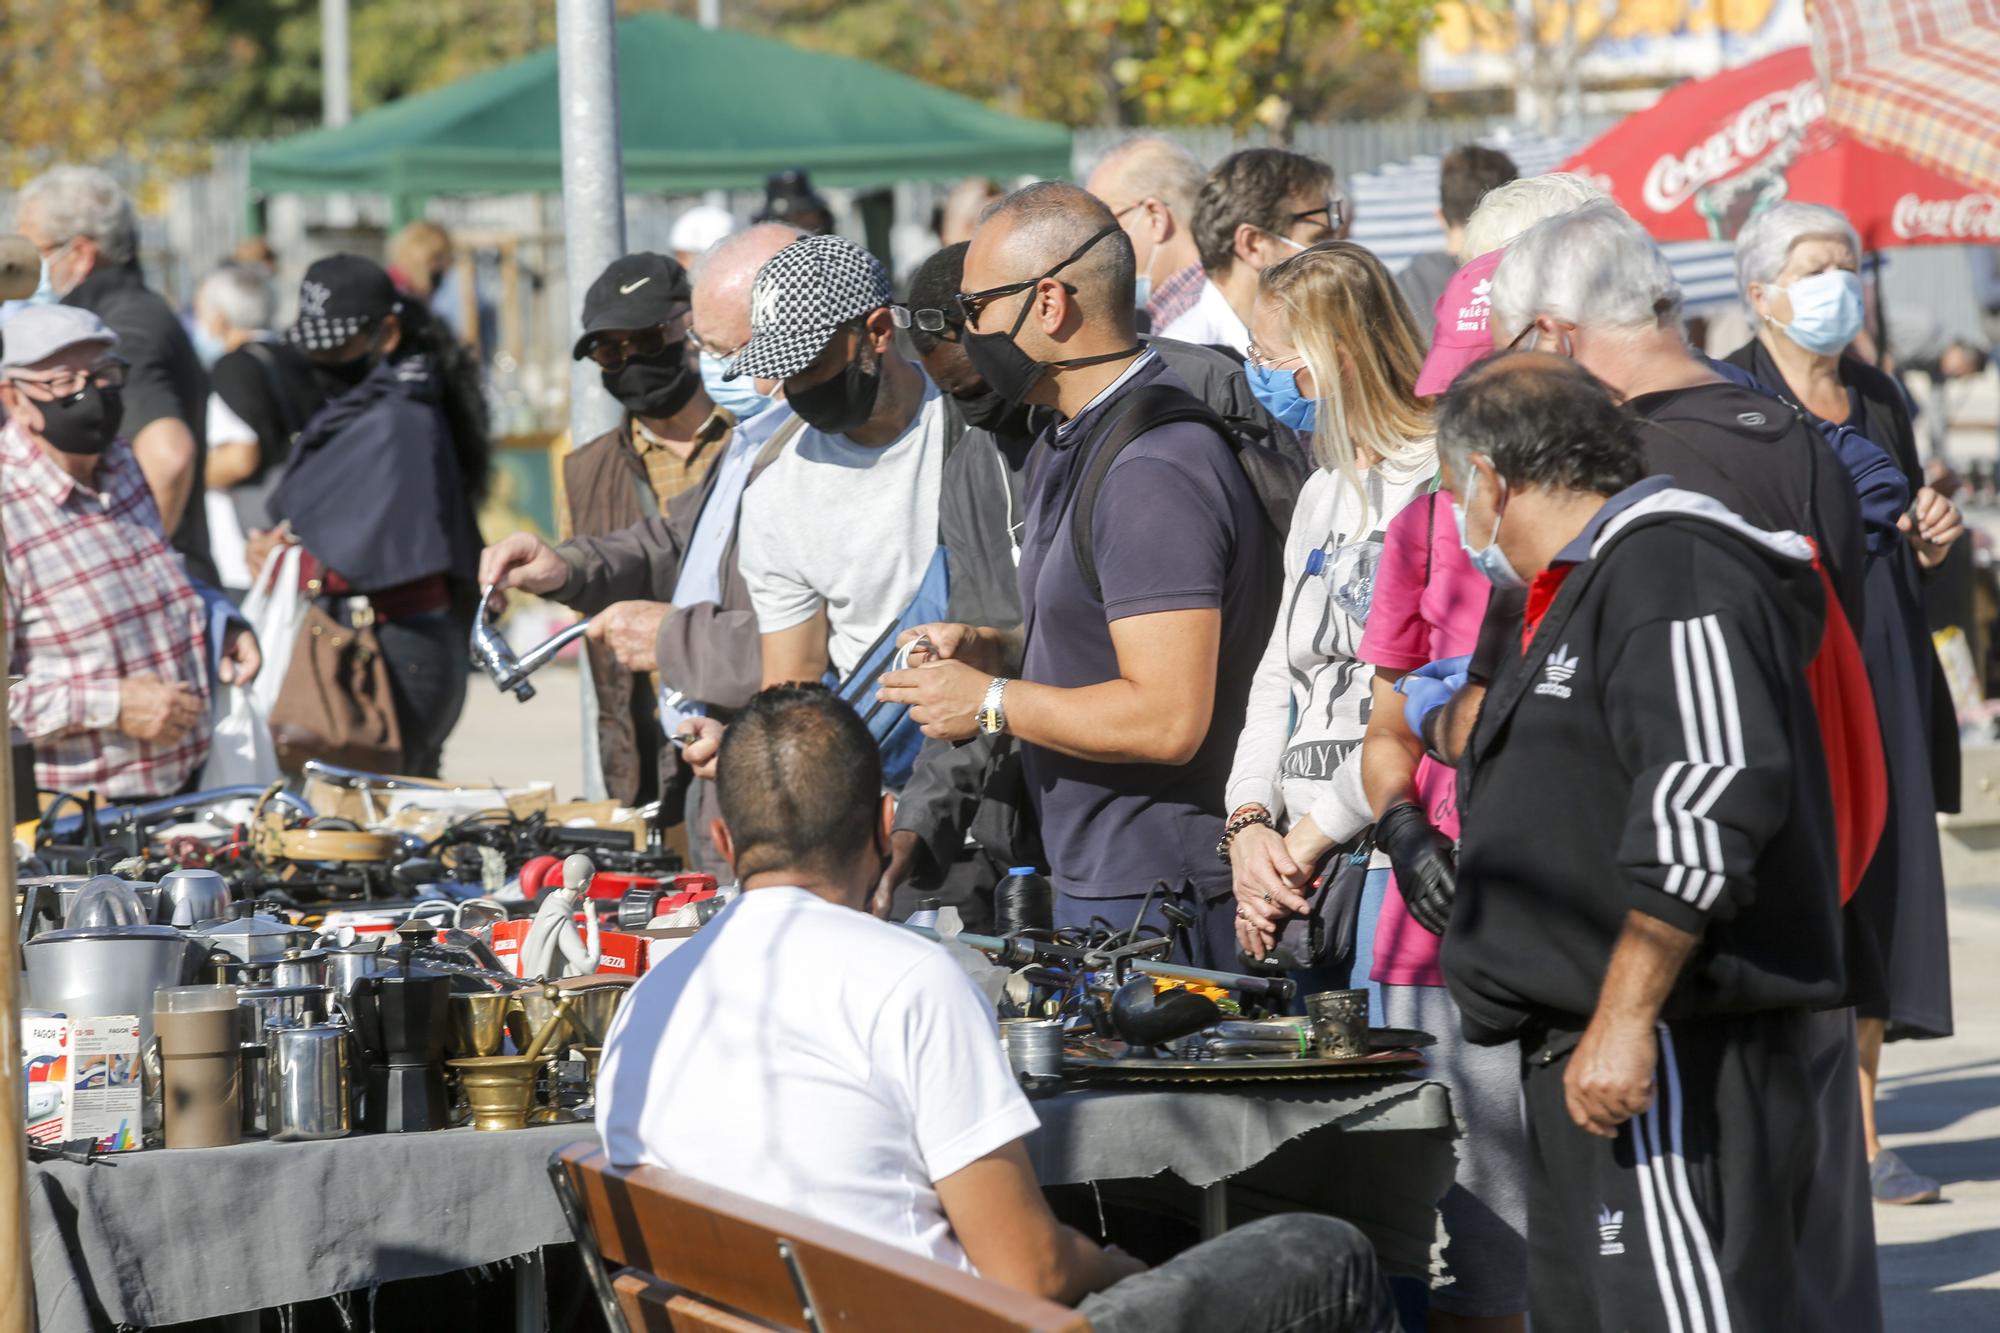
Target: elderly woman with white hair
[(1798, 267)]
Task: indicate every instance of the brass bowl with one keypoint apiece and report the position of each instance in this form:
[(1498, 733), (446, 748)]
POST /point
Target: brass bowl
[(498, 1088), (478, 1024), (592, 1007)]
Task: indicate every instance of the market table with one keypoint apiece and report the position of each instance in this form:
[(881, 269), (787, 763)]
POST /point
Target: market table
[(159, 1237)]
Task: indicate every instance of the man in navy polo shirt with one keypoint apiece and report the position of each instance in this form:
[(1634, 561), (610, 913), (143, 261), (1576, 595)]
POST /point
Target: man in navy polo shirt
[(1126, 701)]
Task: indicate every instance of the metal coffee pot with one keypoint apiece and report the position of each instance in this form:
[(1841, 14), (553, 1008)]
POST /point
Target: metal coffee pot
[(191, 897)]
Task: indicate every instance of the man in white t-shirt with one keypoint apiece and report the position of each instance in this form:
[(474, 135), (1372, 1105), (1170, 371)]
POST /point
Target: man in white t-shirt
[(802, 1053), (838, 531)]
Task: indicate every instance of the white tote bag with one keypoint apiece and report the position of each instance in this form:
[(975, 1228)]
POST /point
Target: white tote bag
[(240, 752)]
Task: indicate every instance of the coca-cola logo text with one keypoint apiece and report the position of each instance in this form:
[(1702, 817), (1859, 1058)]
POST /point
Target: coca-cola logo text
[(1976, 217), (1757, 128)]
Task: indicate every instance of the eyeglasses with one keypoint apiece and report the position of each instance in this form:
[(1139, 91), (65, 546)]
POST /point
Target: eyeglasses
[(1331, 212), (613, 350), (108, 374), (702, 344), (945, 324), (1262, 362), (970, 304)]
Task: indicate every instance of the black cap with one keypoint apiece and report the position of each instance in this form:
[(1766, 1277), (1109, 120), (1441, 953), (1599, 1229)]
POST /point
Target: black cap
[(789, 195), (340, 296), (639, 291)]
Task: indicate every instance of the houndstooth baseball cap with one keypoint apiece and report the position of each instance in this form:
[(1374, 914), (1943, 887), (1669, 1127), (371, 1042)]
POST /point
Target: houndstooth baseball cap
[(802, 294)]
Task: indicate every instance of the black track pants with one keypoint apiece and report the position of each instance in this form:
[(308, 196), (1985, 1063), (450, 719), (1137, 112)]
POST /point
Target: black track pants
[(1688, 1221)]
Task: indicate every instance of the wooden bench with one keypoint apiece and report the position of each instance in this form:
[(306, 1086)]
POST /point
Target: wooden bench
[(668, 1253)]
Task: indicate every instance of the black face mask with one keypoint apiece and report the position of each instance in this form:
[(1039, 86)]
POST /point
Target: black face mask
[(84, 423), (655, 386), (987, 410), (1011, 372), (843, 403), (337, 377)]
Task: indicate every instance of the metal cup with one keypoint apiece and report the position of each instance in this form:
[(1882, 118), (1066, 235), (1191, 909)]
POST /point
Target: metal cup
[(477, 1024), (310, 1085), (1034, 1046), (1339, 1023)]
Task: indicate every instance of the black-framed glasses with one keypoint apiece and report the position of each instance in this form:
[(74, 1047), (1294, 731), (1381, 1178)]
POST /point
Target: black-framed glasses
[(970, 304), (106, 374), (1331, 213), (613, 350), (943, 324)]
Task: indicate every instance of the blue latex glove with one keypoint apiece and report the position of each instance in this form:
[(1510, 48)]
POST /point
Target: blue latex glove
[(1430, 688)]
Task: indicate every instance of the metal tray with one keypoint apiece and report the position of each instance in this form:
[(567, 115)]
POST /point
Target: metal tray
[(1091, 1068)]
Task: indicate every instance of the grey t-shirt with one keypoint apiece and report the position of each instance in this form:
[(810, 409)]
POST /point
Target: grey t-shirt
[(844, 526), (1422, 282), (1176, 528)]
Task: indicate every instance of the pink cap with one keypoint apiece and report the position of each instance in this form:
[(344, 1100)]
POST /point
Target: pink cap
[(1463, 334)]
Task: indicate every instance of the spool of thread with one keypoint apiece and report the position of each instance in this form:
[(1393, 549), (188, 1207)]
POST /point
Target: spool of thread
[(1034, 1045), (1024, 901)]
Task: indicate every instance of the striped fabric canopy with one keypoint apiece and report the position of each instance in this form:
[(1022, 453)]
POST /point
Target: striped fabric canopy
[(1395, 215), (1916, 78)]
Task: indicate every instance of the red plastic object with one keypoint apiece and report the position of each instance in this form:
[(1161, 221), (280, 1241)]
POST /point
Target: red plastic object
[(537, 873)]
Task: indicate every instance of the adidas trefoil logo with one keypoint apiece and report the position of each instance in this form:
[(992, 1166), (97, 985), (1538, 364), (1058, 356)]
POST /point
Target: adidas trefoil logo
[(1609, 1225), (1556, 673)]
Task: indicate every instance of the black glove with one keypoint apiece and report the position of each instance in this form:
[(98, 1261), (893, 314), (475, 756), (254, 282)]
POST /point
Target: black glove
[(1426, 867)]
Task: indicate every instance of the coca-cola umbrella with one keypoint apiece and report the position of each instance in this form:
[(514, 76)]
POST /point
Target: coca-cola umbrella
[(1713, 152)]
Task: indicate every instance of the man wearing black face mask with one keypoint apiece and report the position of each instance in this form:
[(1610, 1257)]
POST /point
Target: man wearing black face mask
[(106, 631), (1125, 688), (635, 323), (837, 535)]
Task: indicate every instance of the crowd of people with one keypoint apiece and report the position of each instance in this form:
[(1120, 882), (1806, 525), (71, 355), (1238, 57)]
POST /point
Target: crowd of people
[(1463, 633)]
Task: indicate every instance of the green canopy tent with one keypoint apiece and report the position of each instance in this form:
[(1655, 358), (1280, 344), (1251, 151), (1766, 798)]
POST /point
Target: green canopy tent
[(698, 110)]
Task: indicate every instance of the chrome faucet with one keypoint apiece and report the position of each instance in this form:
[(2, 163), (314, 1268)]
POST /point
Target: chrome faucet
[(498, 660)]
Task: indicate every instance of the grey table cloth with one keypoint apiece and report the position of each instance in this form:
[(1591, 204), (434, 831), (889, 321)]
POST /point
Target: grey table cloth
[(159, 1237)]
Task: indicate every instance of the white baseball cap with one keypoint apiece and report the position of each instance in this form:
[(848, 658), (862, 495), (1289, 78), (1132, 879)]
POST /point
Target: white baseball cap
[(35, 333), (699, 228)]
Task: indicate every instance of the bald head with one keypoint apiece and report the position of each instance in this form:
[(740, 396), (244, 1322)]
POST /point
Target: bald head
[(1543, 421), (1148, 167), (1041, 225), (722, 281)]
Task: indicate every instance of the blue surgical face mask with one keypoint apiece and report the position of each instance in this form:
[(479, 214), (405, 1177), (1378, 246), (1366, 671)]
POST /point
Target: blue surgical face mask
[(1488, 559), (1278, 391), (206, 345), (740, 396), (1826, 311), (46, 293)]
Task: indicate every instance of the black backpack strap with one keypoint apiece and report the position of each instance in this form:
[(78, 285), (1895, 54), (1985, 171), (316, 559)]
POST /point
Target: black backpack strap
[(1143, 409)]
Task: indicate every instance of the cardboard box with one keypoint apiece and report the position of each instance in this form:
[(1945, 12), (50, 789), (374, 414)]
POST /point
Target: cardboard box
[(45, 1058), (105, 1098)]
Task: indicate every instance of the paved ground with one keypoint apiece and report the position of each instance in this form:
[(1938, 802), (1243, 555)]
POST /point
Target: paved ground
[(1940, 1109), (502, 740)]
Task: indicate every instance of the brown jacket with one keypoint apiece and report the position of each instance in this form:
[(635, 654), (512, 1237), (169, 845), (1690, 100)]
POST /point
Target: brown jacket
[(710, 651)]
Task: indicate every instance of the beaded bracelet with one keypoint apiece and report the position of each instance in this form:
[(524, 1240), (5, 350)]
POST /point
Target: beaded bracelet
[(1242, 819)]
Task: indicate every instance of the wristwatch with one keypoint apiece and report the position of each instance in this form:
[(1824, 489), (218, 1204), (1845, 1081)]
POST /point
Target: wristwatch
[(992, 709)]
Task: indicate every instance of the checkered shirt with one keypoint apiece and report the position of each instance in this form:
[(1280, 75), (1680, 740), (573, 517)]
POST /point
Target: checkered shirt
[(1176, 296), (94, 596)]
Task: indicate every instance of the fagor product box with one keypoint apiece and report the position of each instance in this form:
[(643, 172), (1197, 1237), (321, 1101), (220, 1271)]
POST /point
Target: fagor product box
[(45, 1060), (105, 1096)]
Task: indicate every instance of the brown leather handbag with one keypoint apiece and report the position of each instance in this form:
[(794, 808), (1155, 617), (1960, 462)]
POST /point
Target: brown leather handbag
[(336, 704)]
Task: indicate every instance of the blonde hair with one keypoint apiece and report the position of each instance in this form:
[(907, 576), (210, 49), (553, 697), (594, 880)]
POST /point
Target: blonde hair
[(1355, 331)]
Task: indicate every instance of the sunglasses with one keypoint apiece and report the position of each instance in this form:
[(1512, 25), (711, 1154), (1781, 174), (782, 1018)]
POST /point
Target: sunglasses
[(970, 304), (612, 351)]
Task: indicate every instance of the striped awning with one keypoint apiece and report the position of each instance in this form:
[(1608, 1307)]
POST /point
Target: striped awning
[(1395, 215), (1916, 78)]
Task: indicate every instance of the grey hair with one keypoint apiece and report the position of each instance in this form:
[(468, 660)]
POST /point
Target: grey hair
[(1151, 165), (1766, 241), (760, 237), (1593, 267), (241, 295), (85, 201), (1543, 421), (1505, 211)]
